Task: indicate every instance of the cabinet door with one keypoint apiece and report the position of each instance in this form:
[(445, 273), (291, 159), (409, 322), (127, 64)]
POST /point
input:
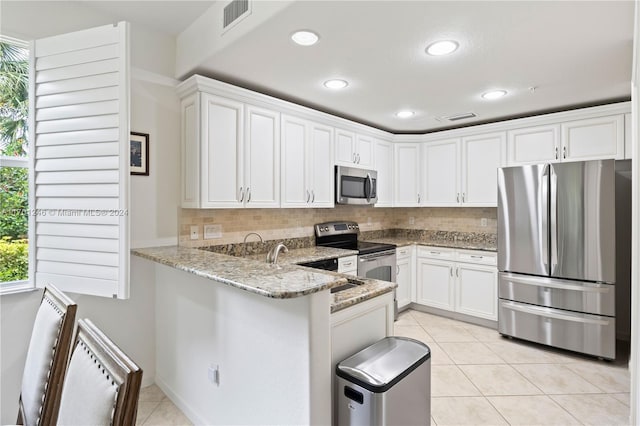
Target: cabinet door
[(532, 145), (262, 158), (442, 174), (628, 139), (345, 148), (405, 276), (594, 138), (294, 184), (435, 283), (383, 164), (222, 168), (364, 151), (190, 149), (481, 158), (476, 290), (320, 164), (407, 175)]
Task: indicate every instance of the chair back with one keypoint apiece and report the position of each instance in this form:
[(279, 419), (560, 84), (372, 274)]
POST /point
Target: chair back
[(102, 384), (46, 359)]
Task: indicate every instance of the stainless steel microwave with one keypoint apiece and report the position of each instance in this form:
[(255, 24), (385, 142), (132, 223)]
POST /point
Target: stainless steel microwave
[(356, 186)]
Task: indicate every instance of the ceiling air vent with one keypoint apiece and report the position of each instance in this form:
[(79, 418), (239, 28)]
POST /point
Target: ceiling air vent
[(234, 10), (462, 116)]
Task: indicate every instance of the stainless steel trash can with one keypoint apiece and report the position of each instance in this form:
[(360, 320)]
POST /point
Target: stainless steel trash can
[(388, 383)]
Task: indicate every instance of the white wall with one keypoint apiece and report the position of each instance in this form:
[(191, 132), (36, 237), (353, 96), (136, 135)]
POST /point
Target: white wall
[(154, 198)]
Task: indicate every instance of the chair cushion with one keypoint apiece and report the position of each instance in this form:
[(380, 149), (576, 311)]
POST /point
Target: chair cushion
[(44, 339), (89, 394)]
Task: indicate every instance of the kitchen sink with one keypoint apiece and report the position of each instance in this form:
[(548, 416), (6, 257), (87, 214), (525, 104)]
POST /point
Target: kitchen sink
[(351, 283)]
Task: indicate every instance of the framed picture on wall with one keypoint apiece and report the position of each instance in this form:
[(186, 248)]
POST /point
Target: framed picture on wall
[(139, 146)]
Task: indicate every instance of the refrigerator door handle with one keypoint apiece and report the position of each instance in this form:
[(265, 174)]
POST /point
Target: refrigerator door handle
[(544, 216), (553, 218), (553, 313)]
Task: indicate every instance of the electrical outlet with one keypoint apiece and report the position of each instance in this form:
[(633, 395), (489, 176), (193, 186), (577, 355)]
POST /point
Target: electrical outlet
[(212, 231), (483, 222), (412, 220), (194, 232)]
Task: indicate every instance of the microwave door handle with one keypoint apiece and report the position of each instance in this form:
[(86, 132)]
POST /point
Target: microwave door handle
[(368, 195)]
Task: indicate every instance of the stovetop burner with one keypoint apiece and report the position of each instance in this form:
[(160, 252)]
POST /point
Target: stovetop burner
[(344, 235)]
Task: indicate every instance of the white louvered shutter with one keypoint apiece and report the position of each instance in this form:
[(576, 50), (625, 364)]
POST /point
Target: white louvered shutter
[(79, 148)]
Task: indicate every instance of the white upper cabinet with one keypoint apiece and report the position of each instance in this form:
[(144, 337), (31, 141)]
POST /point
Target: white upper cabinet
[(236, 150), (593, 138), (532, 145), (353, 150), (481, 157), (407, 176), (221, 148), (262, 158), (307, 163), (442, 174), (576, 140), (463, 172), (383, 164)]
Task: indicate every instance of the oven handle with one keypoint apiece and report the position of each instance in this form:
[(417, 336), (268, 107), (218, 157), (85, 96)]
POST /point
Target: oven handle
[(376, 256)]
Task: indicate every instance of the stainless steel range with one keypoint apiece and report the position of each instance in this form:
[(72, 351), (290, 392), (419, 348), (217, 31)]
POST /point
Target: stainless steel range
[(375, 260)]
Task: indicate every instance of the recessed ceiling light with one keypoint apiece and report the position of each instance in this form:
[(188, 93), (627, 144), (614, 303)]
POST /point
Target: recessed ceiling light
[(305, 38), (494, 94), (405, 114), (335, 84), (442, 47)]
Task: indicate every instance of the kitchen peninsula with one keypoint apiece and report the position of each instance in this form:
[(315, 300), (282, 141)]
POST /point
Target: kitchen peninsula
[(231, 328)]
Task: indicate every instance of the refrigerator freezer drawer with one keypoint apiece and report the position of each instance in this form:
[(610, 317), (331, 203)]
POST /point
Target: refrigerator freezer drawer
[(589, 334), (593, 298)]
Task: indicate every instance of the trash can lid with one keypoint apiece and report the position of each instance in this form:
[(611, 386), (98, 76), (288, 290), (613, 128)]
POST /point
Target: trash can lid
[(380, 366)]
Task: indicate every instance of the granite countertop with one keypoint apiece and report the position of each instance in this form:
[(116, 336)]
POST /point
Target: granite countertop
[(279, 282), (304, 255), (456, 244), (287, 280)]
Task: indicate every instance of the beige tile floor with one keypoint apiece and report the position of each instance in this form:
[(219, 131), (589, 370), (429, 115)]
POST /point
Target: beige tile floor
[(481, 378)]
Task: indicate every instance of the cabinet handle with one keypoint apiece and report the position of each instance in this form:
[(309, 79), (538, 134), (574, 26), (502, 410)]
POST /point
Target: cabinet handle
[(397, 270), (458, 197), (308, 196), (418, 198), (564, 152), (248, 194), (402, 252), (473, 256), (354, 157), (313, 196), (457, 272), (241, 195), (463, 197), (347, 263), (451, 271), (434, 252), (556, 152)]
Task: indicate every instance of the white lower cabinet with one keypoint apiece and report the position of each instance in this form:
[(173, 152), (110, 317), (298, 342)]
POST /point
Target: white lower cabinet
[(405, 275), (462, 281)]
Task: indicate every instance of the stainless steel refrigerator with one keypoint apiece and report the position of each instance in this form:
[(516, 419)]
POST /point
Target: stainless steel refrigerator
[(560, 260)]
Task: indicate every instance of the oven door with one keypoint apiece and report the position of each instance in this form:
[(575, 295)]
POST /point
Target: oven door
[(379, 266), (356, 186)]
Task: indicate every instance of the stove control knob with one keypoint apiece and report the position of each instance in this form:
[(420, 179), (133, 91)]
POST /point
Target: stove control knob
[(326, 228)]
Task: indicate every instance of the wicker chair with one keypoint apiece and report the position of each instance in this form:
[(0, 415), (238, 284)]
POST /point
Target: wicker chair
[(46, 359), (102, 384)]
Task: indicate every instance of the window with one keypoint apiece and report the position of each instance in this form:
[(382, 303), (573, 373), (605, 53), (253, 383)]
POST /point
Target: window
[(78, 163), (14, 163)]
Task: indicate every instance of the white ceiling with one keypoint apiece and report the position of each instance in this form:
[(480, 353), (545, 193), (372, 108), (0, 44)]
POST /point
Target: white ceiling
[(573, 53)]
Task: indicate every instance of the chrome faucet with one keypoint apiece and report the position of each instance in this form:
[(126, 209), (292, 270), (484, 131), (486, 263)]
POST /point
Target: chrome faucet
[(272, 256), (244, 242)]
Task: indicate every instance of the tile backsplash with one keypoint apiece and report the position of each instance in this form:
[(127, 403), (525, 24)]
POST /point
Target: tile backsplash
[(298, 223)]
